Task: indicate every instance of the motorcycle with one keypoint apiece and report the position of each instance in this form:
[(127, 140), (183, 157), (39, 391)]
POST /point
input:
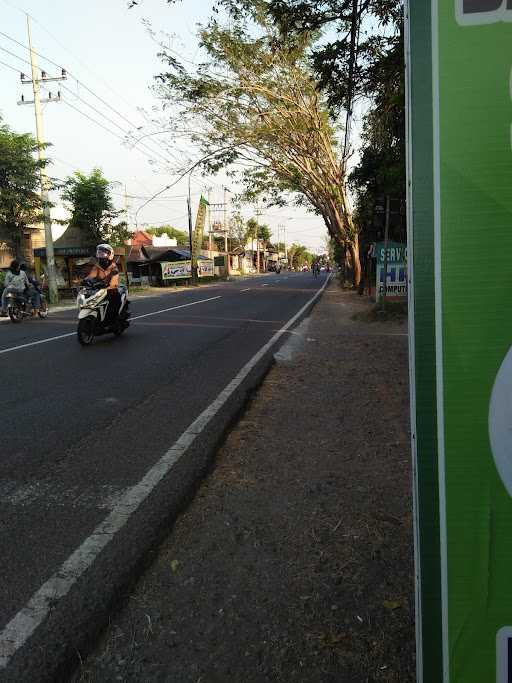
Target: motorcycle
[(92, 302), (19, 306)]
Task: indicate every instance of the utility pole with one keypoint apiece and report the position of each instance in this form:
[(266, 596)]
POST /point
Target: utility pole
[(193, 270), (36, 81), (209, 225), (126, 207), (285, 248), (386, 240), (280, 235), (228, 268), (258, 214)]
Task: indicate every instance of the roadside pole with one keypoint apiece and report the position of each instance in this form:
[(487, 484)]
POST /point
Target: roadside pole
[(193, 279), (258, 214), (386, 242), (36, 89), (209, 225), (226, 251)]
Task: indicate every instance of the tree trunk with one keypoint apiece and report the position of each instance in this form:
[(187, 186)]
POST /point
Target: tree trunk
[(355, 261)]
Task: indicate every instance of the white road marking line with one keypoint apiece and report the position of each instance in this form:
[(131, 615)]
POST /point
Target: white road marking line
[(72, 334), (41, 341), (26, 621), (245, 290), (265, 285), (174, 308)]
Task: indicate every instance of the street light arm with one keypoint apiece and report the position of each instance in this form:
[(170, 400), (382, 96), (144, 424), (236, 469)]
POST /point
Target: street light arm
[(148, 135)]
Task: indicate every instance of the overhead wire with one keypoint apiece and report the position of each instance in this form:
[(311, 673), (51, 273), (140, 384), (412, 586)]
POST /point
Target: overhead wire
[(12, 54), (148, 149), (8, 66), (64, 87), (75, 78)]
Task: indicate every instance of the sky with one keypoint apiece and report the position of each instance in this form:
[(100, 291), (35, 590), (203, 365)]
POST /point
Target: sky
[(107, 48)]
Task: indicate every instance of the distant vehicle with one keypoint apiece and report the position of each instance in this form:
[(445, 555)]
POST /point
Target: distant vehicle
[(19, 306)]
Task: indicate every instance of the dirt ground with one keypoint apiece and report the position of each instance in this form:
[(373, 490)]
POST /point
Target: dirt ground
[(295, 560)]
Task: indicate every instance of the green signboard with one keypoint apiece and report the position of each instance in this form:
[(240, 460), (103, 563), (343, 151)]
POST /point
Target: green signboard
[(460, 212)]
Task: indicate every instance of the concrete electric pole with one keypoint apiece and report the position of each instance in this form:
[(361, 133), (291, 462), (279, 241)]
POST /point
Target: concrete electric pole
[(36, 81), (258, 215), (228, 265)]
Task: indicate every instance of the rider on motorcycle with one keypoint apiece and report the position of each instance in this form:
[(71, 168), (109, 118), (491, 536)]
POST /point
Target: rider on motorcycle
[(15, 281), (106, 269)]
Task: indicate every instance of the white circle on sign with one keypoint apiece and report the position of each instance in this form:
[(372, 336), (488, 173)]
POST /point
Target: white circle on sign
[(500, 421)]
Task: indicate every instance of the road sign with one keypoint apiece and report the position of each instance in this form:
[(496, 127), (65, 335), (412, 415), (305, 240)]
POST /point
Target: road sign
[(459, 116)]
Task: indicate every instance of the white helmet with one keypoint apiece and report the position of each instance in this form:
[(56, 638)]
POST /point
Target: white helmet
[(105, 251)]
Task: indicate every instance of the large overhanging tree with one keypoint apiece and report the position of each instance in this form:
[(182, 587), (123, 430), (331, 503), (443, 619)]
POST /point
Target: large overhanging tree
[(255, 105)]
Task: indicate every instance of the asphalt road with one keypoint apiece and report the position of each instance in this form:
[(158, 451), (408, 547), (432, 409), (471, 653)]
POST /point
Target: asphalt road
[(80, 427)]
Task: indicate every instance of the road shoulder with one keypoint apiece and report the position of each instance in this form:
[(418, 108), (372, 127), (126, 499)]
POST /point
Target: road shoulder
[(294, 561)]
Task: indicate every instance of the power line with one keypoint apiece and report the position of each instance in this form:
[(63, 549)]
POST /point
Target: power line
[(14, 55), (8, 66), (87, 104), (86, 87), (93, 120)]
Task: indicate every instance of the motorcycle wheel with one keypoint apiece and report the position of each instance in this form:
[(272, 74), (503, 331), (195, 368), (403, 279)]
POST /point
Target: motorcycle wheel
[(43, 311), (85, 331), (15, 313)]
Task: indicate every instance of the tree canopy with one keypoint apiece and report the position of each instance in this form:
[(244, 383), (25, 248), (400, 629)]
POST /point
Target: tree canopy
[(256, 230), (372, 68), (20, 202), (179, 235), (92, 208), (298, 255), (256, 104)]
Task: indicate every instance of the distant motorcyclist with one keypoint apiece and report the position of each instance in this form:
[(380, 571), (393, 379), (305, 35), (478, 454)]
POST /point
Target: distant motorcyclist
[(15, 281), (105, 269), (34, 289)]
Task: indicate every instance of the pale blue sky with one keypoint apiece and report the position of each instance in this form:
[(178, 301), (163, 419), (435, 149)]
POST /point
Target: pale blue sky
[(107, 47)]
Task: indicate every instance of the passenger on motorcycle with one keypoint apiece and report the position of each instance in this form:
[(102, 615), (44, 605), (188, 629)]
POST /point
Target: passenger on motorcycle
[(34, 289), (106, 269), (15, 281)]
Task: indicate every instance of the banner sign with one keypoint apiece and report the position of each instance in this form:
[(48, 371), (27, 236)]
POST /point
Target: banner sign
[(396, 281), (197, 237), (465, 122), (174, 270), (397, 252), (205, 268)]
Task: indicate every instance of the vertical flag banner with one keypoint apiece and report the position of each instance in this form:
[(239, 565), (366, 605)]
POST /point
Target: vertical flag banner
[(470, 58), (197, 238)]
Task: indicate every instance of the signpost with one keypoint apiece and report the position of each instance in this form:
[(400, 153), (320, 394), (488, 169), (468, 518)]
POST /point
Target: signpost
[(460, 250)]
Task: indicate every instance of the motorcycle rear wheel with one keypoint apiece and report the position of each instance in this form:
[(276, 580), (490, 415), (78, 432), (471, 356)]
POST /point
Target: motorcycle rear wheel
[(43, 311), (85, 331), (15, 313)]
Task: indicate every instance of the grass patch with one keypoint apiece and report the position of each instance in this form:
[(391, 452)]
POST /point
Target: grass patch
[(395, 310)]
